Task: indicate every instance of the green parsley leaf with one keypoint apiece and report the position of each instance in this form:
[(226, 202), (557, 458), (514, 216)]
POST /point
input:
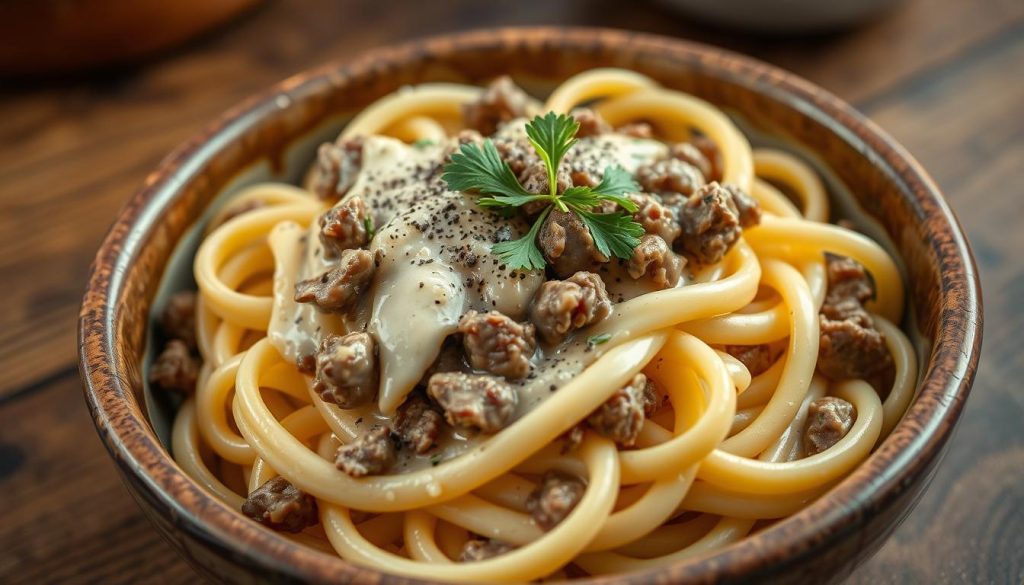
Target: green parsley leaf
[(369, 227), (615, 234), (615, 184), (599, 339), (510, 200), (552, 135), (580, 197), (435, 459), (480, 168), (523, 253), (423, 143)]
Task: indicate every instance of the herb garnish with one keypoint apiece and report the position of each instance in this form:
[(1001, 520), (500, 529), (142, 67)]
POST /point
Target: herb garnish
[(599, 339), (369, 227), (479, 168)]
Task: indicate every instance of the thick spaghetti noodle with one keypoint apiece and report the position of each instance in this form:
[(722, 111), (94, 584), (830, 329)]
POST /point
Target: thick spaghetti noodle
[(723, 449)]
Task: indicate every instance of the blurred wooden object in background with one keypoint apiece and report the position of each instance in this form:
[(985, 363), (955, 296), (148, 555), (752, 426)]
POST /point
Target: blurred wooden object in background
[(39, 37)]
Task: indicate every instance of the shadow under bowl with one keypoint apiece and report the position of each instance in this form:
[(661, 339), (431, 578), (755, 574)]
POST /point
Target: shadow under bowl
[(273, 135)]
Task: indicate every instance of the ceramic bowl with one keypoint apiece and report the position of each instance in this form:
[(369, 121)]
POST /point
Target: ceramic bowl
[(273, 135)]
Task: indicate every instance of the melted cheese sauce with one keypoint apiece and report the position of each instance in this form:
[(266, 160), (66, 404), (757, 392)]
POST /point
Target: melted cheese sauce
[(432, 251)]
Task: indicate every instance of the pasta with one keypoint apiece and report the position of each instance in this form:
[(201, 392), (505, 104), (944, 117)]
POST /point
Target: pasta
[(724, 444)]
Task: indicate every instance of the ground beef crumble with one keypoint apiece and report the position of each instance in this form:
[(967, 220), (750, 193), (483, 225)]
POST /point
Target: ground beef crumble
[(621, 417), (338, 165), (756, 358), (670, 175), (712, 154), (711, 224), (336, 289), (500, 102), (654, 259), (828, 421), (535, 180), (344, 227), (281, 506), (371, 453), (474, 401), (690, 154), (175, 370), (560, 306), (655, 218), (850, 345), (346, 369), (591, 123), (497, 344), (178, 321), (418, 424), (480, 549), (567, 244), (554, 498)]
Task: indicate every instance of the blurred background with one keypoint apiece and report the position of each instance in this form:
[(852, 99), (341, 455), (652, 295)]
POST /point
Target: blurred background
[(93, 93)]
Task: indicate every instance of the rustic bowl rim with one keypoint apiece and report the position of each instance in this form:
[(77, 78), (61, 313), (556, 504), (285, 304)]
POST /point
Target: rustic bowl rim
[(942, 395)]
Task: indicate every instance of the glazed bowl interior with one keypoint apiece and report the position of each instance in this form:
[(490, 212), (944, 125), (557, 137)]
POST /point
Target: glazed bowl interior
[(274, 136)]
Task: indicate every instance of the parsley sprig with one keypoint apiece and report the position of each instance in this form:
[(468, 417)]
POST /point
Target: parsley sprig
[(479, 168)]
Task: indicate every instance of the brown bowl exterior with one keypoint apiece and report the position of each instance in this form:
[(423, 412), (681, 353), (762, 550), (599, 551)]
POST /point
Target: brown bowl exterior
[(819, 544)]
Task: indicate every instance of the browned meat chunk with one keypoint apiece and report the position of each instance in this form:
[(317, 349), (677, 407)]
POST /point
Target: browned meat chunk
[(517, 153), (656, 219), (670, 175), (552, 500), (654, 259), (591, 123), (712, 154), (498, 344), (281, 506), (535, 179), (418, 424), (175, 370), (306, 364), (756, 358), (337, 167), (690, 154), (828, 421), (346, 369), (474, 401), (499, 103), (652, 400), (567, 244), (850, 346), (848, 280), (336, 289), (637, 130), (371, 453), (561, 306), (479, 549), (572, 438), (710, 223), (621, 417), (747, 208), (179, 317), (344, 227)]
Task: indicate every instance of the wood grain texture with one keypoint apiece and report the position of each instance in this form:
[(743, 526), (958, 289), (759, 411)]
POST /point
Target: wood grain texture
[(936, 74)]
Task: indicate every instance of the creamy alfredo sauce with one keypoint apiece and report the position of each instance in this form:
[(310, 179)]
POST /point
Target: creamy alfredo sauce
[(432, 251)]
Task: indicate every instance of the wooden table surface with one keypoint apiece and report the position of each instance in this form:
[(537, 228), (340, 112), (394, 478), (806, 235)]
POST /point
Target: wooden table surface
[(943, 76)]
